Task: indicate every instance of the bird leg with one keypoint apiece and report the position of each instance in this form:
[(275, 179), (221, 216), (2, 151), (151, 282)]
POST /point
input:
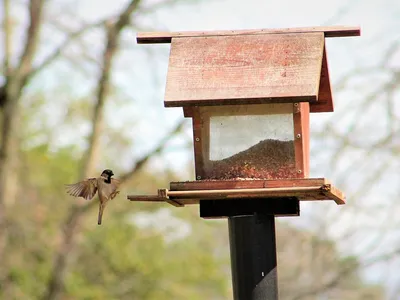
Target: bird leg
[(113, 194)]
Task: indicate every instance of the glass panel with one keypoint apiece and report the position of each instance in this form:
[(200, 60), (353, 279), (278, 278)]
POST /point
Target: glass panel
[(249, 141)]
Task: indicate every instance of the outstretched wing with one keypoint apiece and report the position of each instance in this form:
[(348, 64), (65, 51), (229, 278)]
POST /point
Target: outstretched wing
[(85, 189)]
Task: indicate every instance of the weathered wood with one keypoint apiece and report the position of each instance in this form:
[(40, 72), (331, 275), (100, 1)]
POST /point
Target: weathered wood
[(201, 141), (308, 193), (146, 198), (246, 184), (244, 69), (188, 111), (166, 37), (243, 110), (325, 101), (162, 193), (301, 123), (336, 194), (236, 193), (154, 198)]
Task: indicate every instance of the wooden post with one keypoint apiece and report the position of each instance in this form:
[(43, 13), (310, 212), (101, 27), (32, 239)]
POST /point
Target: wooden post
[(253, 257)]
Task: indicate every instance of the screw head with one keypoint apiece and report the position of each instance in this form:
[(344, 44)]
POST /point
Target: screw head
[(298, 135), (198, 177), (299, 171), (197, 139)]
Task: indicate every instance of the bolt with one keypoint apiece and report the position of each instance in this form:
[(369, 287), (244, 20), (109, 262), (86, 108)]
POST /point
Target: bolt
[(299, 171), (296, 104), (198, 177), (197, 139), (298, 135)]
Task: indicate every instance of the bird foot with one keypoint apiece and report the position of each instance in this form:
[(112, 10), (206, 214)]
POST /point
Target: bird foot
[(112, 196)]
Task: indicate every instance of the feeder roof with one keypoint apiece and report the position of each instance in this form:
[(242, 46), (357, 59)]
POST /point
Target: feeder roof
[(249, 66)]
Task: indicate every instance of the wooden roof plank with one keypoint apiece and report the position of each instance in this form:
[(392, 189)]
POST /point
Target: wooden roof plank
[(255, 69), (325, 101), (166, 37)]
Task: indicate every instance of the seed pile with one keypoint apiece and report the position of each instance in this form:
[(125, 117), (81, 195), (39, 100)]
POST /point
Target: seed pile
[(269, 159)]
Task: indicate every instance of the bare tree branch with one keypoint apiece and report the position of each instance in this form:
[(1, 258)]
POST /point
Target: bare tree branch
[(339, 14), (56, 282), (35, 13), (392, 50), (77, 212), (124, 178), (7, 37), (58, 51), (10, 95), (347, 270), (160, 5), (103, 85), (178, 128)]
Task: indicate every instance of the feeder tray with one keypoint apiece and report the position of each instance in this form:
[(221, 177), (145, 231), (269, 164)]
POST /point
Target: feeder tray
[(192, 192)]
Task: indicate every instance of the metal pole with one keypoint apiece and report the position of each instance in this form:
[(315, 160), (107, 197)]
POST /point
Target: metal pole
[(253, 257)]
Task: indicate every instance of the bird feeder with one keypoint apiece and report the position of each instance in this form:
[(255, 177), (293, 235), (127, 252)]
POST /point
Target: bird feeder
[(249, 94)]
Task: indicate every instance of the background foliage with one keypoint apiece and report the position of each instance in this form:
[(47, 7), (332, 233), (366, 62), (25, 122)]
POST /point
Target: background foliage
[(77, 95)]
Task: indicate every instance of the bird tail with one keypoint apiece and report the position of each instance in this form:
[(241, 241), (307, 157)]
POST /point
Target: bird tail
[(101, 209)]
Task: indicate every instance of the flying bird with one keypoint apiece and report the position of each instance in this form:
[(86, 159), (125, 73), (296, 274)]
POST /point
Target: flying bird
[(104, 185)]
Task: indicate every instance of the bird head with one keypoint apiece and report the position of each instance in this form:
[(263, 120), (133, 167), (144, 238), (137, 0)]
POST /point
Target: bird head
[(107, 173)]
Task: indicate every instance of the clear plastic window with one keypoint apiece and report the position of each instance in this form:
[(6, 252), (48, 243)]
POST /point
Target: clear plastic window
[(249, 141)]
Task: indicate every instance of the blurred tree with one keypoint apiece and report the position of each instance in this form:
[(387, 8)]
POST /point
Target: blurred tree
[(311, 268), (169, 256), (18, 71), (49, 250), (121, 261)]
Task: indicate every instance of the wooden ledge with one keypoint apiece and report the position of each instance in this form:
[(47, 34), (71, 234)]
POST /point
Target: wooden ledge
[(191, 192), (166, 37)]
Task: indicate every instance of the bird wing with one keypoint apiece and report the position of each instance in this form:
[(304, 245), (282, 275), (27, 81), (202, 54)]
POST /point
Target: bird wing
[(85, 189), (115, 183)]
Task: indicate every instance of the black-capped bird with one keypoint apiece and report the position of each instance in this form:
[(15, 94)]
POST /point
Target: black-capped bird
[(104, 185)]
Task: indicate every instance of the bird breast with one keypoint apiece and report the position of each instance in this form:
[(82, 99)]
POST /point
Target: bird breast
[(106, 189)]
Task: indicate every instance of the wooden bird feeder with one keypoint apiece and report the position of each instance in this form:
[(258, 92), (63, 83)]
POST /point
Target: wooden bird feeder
[(249, 94)]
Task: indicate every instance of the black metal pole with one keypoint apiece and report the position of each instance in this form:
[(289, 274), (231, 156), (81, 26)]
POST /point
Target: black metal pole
[(253, 257)]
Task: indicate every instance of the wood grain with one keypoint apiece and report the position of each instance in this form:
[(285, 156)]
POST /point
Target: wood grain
[(325, 101), (166, 37), (154, 198), (336, 194), (244, 69), (146, 198), (301, 123), (191, 192), (162, 193), (201, 141), (246, 184), (308, 193)]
